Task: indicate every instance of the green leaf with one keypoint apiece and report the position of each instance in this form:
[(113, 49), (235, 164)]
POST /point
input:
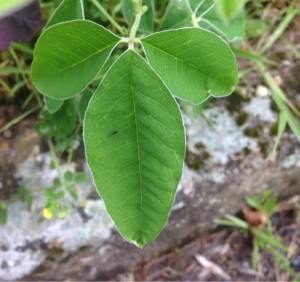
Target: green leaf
[(65, 118), (228, 9), (67, 10), (3, 214), (224, 222), (68, 175), (80, 177), (61, 146), (265, 195), (73, 192), (67, 57), (24, 194), (182, 13), (256, 28), (53, 105), (49, 193), (29, 198), (255, 255), (237, 221), (21, 192), (45, 128), (53, 207), (194, 63), (146, 24), (135, 147), (270, 206), (267, 238), (281, 127), (283, 261), (208, 17), (84, 101), (59, 195), (232, 223), (250, 56), (253, 202), (178, 14), (61, 123)]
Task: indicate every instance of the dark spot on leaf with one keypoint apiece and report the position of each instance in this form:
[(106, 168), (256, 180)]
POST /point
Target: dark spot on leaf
[(114, 133)]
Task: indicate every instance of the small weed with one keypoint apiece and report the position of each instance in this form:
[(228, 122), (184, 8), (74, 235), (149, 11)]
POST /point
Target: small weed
[(257, 222)]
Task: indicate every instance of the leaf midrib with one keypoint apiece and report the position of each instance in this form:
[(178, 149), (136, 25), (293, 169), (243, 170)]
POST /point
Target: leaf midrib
[(138, 145)]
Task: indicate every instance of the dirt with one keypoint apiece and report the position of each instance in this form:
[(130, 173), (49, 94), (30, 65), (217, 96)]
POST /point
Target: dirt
[(230, 249)]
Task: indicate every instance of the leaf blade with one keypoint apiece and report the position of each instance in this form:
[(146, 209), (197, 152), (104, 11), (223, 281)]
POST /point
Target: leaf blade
[(184, 59), (135, 147), (53, 105), (66, 52), (67, 10), (178, 14)]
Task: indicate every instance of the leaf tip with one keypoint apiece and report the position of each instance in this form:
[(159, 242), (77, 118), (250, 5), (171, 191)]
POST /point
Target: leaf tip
[(139, 244)]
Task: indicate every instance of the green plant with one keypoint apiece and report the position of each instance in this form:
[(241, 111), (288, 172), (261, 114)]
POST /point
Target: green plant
[(297, 206), (133, 130), (263, 239), (3, 213), (288, 112), (22, 194)]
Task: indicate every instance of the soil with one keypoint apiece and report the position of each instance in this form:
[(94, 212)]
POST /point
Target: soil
[(228, 253)]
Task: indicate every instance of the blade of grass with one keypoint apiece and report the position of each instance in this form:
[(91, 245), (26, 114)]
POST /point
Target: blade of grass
[(19, 66), (108, 16), (267, 238), (251, 56), (6, 87), (17, 86), (237, 221), (291, 46), (279, 96), (281, 128), (13, 70), (28, 99), (18, 119), (25, 48), (291, 13), (255, 255)]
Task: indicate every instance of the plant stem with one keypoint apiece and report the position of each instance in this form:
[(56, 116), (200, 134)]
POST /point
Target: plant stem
[(135, 25), (18, 119), (70, 155), (139, 10), (56, 164), (6, 87), (281, 28), (108, 16), (19, 65), (71, 150), (281, 100)]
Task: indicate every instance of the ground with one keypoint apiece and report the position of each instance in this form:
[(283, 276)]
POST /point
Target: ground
[(226, 255)]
